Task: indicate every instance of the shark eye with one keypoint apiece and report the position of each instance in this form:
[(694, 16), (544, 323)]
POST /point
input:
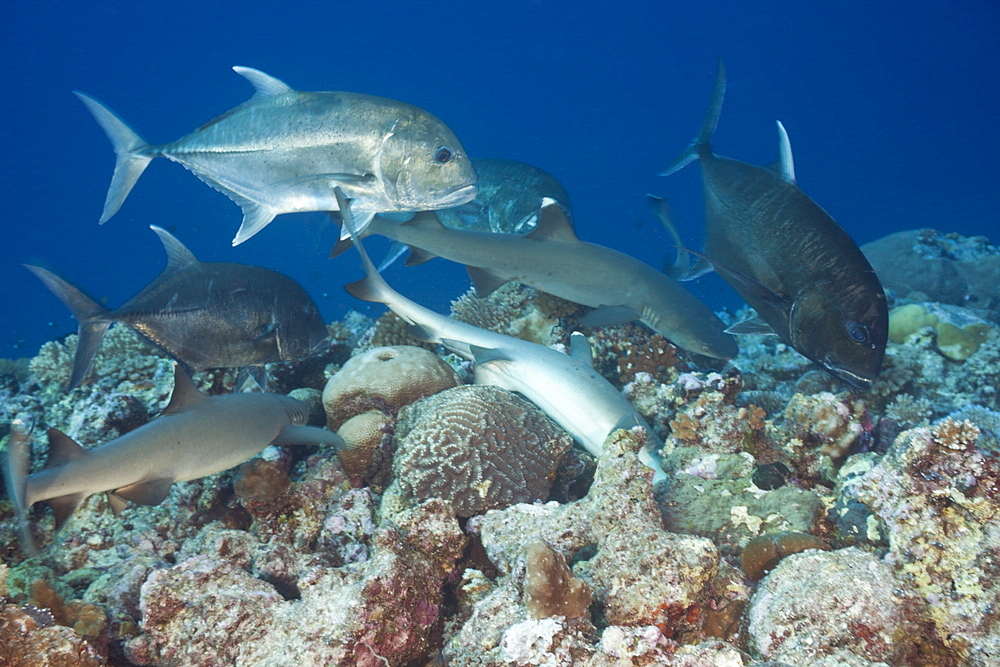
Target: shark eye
[(443, 155), (858, 332)]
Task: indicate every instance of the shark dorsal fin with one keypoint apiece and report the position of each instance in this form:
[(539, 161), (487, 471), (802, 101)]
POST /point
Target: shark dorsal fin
[(62, 448), (178, 256), (552, 224), (149, 492), (265, 85), (579, 349), (185, 394)]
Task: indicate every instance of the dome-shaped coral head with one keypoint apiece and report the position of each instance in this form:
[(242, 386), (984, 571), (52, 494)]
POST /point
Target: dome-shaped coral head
[(422, 165), (844, 335)]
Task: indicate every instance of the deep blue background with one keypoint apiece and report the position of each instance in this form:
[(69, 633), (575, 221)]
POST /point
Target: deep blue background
[(891, 108)]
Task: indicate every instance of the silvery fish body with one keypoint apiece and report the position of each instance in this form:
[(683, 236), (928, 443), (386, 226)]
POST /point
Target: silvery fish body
[(284, 151), (509, 199), (205, 315), (806, 278)]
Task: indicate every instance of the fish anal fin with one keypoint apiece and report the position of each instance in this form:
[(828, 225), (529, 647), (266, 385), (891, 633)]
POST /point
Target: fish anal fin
[(609, 316), (185, 392), (265, 85), (485, 281), (418, 256), (552, 224), (255, 218), (148, 492), (64, 506)]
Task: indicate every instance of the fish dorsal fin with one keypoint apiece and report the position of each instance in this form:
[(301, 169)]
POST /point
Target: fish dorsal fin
[(62, 448), (265, 85), (418, 256), (751, 325), (185, 394), (148, 492), (552, 224), (579, 349), (178, 256), (485, 281), (785, 166)]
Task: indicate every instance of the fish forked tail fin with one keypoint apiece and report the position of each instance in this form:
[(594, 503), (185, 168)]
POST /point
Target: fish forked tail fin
[(132, 154), (373, 286), (91, 324), (702, 144), (16, 478)]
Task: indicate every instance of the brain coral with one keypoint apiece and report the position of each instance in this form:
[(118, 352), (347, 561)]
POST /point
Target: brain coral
[(384, 379), (477, 448)]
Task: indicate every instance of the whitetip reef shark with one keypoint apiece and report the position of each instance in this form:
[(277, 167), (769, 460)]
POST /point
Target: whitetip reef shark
[(551, 258), (283, 151), (195, 436), (563, 386)]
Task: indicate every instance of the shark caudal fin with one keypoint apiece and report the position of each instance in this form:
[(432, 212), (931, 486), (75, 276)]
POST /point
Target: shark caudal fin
[(132, 154), (16, 478), (372, 287), (91, 323), (702, 144)]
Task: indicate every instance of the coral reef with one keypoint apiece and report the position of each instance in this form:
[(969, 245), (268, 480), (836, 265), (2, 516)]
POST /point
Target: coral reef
[(477, 448)]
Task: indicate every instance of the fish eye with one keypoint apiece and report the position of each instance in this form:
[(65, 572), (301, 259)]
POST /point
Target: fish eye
[(443, 155), (858, 332)]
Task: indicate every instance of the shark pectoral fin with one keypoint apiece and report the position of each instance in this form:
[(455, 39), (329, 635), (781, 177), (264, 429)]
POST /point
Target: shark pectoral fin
[(485, 355), (485, 281), (579, 349), (307, 435), (752, 325), (463, 350), (116, 503), (64, 506), (185, 394), (255, 218), (416, 256), (552, 224), (609, 316), (148, 492)]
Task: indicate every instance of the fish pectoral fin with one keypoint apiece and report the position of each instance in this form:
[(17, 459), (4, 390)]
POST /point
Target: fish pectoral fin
[(148, 492), (609, 316), (264, 85), (485, 281), (294, 434), (753, 325), (416, 256), (255, 218), (64, 506), (755, 287), (360, 220)]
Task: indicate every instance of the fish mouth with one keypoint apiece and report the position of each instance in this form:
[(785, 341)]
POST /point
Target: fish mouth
[(848, 376), (457, 195)]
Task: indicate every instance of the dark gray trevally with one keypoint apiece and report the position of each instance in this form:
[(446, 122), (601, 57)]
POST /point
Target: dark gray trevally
[(806, 278), (508, 201), (551, 258), (194, 436), (205, 315), (284, 151)]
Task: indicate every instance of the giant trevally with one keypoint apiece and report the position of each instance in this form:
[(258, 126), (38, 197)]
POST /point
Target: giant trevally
[(205, 315), (194, 436), (508, 201), (566, 387), (808, 281), (284, 151), (551, 258)]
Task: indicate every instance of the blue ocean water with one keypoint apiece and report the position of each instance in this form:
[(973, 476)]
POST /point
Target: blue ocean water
[(891, 109)]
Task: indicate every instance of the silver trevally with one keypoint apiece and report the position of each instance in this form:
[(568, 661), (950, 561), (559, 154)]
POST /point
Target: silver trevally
[(194, 436), (566, 387), (284, 151), (789, 260), (205, 315)]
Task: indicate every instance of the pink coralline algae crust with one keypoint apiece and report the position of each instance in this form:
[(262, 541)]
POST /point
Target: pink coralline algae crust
[(939, 498), (28, 641)]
